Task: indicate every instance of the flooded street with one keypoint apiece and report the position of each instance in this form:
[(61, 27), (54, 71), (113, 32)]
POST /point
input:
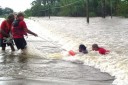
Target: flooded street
[(46, 61), (19, 70), (32, 69), (51, 72)]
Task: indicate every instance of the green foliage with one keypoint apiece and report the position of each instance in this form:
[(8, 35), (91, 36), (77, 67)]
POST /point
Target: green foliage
[(78, 8), (123, 5), (27, 12), (1, 11), (6, 11), (92, 14), (75, 9)]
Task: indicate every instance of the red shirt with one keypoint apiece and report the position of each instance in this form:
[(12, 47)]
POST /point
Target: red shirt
[(102, 51), (6, 27), (21, 30)]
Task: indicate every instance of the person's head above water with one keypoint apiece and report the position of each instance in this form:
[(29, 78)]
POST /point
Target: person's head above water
[(83, 49), (95, 47)]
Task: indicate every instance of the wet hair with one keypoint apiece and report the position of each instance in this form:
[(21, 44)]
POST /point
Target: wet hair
[(82, 48), (20, 14), (10, 17), (95, 46)]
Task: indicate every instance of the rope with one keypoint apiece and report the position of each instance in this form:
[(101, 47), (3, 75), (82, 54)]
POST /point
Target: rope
[(7, 40), (51, 43), (47, 40)]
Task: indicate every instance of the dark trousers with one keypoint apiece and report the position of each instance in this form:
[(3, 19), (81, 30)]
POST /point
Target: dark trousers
[(20, 43)]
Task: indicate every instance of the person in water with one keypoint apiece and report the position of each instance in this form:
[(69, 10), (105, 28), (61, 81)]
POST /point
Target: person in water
[(83, 49), (101, 50), (5, 33), (19, 29)]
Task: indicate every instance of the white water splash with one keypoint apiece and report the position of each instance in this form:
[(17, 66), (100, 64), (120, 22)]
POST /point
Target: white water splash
[(111, 34)]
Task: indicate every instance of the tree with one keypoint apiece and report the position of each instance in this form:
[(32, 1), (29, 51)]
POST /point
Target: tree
[(1, 11), (7, 10), (27, 12), (123, 8), (78, 7)]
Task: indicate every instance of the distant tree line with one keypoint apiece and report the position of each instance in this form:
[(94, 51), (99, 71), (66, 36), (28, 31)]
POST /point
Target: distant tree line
[(5, 11), (78, 8)]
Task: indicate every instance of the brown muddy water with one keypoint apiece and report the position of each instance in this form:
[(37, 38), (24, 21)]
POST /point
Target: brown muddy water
[(36, 68)]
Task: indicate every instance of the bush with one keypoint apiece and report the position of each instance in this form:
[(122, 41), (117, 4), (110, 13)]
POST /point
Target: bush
[(92, 14)]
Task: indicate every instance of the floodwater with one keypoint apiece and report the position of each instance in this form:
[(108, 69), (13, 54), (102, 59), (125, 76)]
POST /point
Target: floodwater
[(17, 68), (46, 61)]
